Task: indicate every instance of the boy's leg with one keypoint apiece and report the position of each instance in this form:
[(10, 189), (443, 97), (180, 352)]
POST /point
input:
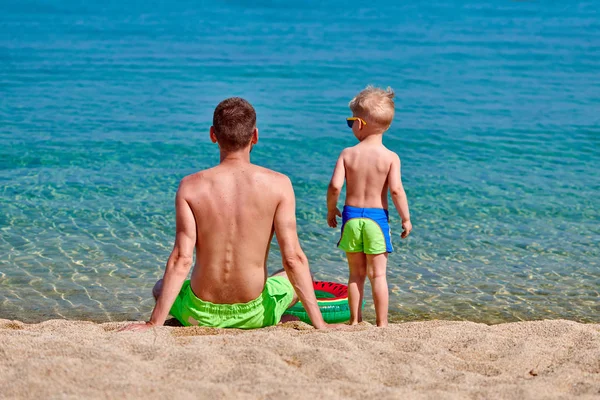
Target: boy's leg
[(357, 264), (376, 266)]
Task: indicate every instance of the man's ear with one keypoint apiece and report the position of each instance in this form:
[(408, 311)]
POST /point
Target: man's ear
[(213, 137), (254, 139)]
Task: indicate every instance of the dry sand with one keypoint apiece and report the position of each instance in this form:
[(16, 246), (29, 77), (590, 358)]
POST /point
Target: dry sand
[(418, 360)]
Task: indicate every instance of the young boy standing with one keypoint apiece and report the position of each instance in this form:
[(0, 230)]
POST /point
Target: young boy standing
[(369, 169)]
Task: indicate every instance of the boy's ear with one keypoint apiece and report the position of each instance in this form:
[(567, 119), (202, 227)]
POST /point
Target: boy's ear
[(213, 137), (254, 139)]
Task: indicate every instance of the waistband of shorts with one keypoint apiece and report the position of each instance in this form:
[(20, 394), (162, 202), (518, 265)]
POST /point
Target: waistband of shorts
[(357, 212), (224, 309)]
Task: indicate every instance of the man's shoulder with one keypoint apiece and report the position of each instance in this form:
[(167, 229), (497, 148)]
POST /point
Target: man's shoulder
[(272, 183), (270, 186), (192, 181), (270, 174), (192, 178)]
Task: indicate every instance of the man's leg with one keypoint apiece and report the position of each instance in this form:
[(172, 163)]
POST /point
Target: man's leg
[(282, 272), (357, 264), (157, 289), (287, 318), (376, 266)]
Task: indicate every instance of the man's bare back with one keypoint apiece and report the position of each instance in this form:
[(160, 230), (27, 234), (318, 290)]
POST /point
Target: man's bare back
[(233, 209)]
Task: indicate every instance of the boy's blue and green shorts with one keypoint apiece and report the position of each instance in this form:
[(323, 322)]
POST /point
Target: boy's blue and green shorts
[(365, 230), (265, 310)]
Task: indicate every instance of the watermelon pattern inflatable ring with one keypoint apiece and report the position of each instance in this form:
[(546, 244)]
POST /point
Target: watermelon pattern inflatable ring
[(332, 299)]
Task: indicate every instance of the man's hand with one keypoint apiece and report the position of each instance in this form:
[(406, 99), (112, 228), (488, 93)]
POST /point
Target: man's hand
[(138, 327), (322, 325), (331, 217), (332, 326), (407, 227)]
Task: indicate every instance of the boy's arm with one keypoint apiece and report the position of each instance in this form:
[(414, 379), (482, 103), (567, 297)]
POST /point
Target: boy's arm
[(399, 195), (334, 190)]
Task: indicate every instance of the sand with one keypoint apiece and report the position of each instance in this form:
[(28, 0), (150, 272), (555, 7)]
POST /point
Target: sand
[(418, 360)]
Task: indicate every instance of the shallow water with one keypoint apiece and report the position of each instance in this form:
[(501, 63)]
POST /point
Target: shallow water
[(103, 108)]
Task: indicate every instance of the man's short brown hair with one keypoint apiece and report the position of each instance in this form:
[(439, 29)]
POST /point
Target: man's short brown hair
[(234, 121)]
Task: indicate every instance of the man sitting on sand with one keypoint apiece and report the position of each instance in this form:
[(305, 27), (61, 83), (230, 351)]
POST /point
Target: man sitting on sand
[(229, 214)]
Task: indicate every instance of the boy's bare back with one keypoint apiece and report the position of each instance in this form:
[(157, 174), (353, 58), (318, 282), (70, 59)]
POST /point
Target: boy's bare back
[(367, 169)]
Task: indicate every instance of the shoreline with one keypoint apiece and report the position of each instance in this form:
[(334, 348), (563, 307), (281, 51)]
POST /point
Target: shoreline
[(448, 359), (369, 317)]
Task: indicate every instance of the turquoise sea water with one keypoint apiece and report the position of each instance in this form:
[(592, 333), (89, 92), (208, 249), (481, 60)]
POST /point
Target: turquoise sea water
[(105, 107)]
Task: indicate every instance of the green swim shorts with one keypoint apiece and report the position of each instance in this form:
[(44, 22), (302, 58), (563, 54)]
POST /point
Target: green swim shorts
[(266, 310), (365, 230)]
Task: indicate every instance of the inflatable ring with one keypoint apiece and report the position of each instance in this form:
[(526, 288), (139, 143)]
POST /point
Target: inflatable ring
[(332, 299)]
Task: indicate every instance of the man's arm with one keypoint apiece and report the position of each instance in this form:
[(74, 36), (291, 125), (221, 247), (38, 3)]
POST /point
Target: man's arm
[(399, 195), (334, 190), (179, 263), (294, 261)]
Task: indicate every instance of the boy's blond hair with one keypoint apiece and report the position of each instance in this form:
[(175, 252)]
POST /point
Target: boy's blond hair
[(375, 105)]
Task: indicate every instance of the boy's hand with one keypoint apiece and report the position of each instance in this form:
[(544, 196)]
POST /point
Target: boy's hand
[(407, 227), (331, 217)]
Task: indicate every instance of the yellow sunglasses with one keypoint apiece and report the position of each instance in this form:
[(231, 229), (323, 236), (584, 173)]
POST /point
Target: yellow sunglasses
[(350, 121)]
